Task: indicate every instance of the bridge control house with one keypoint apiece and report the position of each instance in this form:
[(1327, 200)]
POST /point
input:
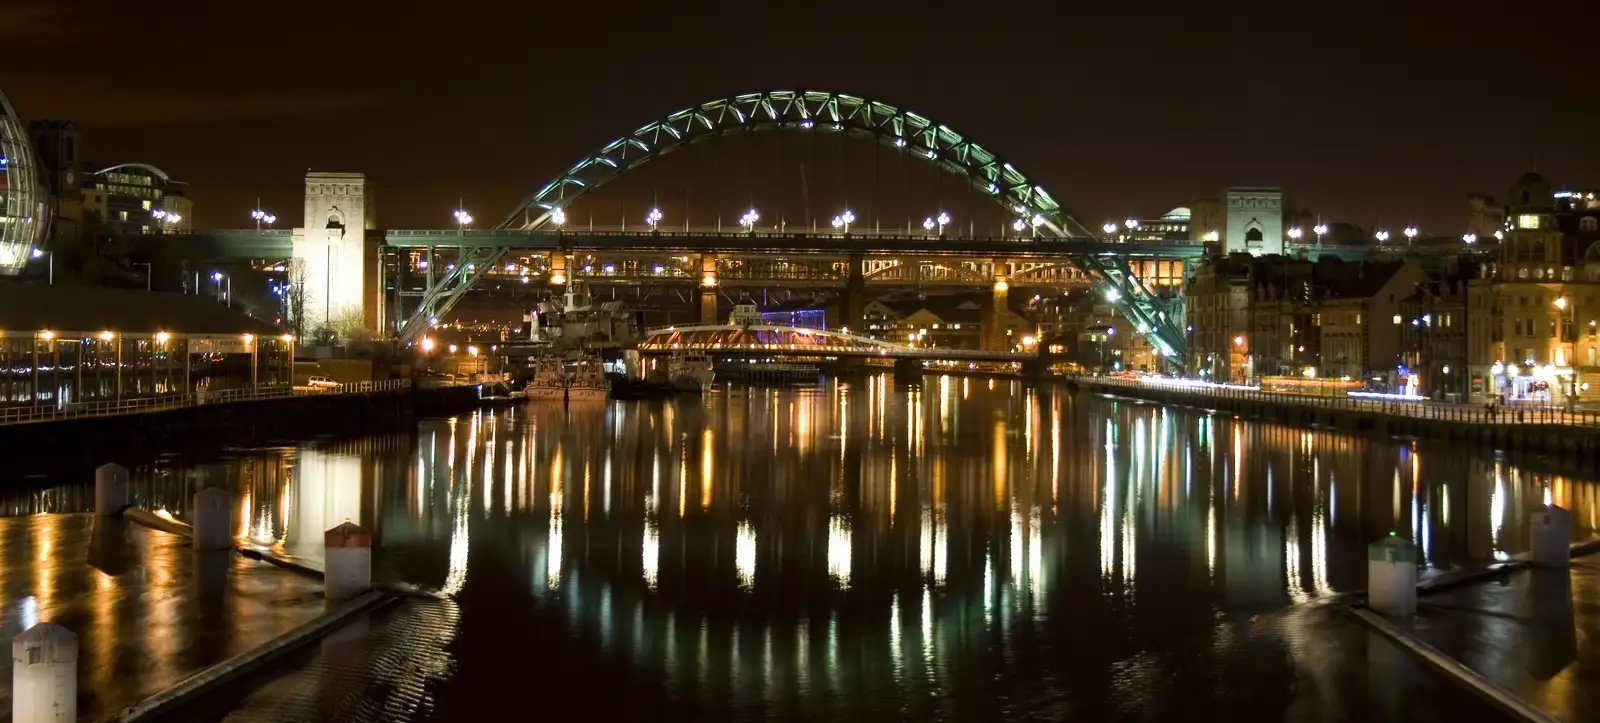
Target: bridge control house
[(61, 346)]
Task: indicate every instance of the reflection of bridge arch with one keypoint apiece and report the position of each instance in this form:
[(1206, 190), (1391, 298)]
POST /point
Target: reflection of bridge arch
[(816, 111)]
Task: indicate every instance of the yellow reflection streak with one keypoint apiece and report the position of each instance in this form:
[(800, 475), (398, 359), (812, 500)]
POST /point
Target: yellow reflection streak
[(744, 554), (839, 550), (707, 459)]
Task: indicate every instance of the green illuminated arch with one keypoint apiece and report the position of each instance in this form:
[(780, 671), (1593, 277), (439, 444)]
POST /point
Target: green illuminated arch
[(851, 115)]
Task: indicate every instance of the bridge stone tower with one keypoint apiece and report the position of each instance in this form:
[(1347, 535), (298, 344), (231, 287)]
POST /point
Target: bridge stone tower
[(332, 254), (1255, 221)]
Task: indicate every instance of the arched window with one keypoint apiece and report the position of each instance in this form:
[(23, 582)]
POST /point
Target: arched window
[(1252, 235)]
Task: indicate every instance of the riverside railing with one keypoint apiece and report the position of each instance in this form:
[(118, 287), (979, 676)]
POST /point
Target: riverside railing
[(1400, 407), (199, 397)]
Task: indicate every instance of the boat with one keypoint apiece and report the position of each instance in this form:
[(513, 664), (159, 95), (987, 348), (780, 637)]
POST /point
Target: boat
[(576, 379), (691, 372)]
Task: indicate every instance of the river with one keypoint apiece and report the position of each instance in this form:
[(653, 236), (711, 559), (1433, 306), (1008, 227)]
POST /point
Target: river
[(963, 550)]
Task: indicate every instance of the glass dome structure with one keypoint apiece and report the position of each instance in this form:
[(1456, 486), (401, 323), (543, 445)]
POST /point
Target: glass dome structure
[(22, 200)]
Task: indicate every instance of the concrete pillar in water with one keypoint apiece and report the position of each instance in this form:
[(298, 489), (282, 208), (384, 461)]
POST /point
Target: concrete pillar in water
[(213, 519), (708, 288), (347, 562), (1550, 536), (111, 494), (853, 304), (992, 329), (44, 675), (1392, 576)]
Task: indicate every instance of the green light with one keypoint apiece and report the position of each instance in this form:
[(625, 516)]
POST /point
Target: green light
[(1392, 534)]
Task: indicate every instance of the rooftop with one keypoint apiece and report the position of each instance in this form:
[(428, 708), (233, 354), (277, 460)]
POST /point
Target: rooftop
[(32, 307)]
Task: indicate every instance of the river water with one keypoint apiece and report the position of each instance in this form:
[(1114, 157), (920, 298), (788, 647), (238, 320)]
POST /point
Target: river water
[(963, 550)]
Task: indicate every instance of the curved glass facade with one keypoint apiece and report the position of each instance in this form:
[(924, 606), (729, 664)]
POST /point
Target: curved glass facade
[(22, 201)]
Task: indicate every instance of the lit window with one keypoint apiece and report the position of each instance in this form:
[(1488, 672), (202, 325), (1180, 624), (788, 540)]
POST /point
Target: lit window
[(1396, 319), (1528, 220)]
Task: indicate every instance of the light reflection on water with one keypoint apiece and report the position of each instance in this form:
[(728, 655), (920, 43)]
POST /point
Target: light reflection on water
[(726, 545)]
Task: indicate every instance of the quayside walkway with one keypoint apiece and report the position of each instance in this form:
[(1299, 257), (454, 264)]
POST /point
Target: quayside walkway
[(198, 398)]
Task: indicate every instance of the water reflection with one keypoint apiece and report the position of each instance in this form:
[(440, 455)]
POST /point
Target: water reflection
[(728, 545)]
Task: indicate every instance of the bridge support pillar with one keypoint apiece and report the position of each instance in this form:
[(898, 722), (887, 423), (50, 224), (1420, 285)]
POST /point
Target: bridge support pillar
[(992, 330), (908, 370), (708, 289), (557, 262), (853, 303)]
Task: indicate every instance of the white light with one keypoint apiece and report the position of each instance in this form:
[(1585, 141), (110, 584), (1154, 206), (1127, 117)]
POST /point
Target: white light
[(1131, 223), (1019, 224), (37, 253), (654, 217), (1112, 295), (1319, 229), (1410, 232), (1109, 227), (943, 218), (1470, 238), (1499, 235), (462, 217), (1294, 232), (749, 219), (270, 219), (558, 217), (928, 223), (1037, 220), (216, 276), (1381, 235)]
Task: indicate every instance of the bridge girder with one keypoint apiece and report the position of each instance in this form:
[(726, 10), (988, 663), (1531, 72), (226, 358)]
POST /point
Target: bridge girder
[(799, 341)]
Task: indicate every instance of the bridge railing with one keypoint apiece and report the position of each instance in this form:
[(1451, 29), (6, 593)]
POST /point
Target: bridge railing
[(199, 397), (774, 233), (1393, 405)]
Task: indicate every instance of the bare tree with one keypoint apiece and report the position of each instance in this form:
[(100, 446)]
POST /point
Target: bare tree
[(294, 298)]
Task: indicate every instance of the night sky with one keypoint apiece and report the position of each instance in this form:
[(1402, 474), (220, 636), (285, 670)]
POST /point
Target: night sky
[(1378, 114)]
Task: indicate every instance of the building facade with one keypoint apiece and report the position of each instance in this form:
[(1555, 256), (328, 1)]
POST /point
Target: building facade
[(1532, 324), (24, 203), (134, 199), (1254, 221)]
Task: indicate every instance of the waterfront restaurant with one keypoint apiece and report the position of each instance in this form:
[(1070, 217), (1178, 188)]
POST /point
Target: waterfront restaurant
[(65, 345)]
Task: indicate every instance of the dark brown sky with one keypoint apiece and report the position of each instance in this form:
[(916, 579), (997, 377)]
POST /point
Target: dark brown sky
[(1375, 112)]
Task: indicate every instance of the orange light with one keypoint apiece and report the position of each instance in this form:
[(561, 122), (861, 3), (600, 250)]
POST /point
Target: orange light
[(107, 336), (47, 335)]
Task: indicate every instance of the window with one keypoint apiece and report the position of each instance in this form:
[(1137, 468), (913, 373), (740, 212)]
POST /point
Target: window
[(1396, 319), (1588, 223), (1528, 220)]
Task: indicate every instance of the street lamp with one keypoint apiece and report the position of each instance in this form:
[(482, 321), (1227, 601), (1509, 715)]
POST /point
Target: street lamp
[(844, 220), (1382, 236), (558, 217), (1470, 238), (1036, 221), (463, 219), (928, 224), (37, 252), (1132, 225), (1411, 233), (226, 291), (1110, 227), (749, 219), (1294, 233), (653, 218), (943, 219), (165, 218), (1320, 230), (262, 217), (1211, 237), (1018, 225)]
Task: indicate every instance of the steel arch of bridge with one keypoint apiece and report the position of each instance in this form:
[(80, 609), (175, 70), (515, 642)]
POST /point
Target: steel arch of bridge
[(825, 112)]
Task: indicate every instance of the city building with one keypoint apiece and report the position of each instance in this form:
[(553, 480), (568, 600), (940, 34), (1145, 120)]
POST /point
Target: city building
[(1485, 216), (1251, 317), (1532, 333), (134, 198), (1433, 329), (24, 205), (335, 256), (951, 321)]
